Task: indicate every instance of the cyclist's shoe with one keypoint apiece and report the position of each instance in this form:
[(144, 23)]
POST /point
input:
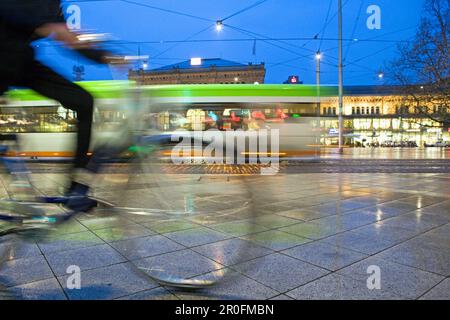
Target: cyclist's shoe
[(77, 199), (81, 203)]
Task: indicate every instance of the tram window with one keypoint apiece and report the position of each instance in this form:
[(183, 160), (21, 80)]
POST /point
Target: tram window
[(37, 119)]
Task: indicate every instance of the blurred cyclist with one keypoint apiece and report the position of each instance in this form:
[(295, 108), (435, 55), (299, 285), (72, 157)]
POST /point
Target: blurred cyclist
[(21, 23)]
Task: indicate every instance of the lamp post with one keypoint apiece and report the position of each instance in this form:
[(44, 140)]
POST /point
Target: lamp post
[(318, 59), (341, 81)]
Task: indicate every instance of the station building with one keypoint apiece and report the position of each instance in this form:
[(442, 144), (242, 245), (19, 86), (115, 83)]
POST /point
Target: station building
[(201, 71)]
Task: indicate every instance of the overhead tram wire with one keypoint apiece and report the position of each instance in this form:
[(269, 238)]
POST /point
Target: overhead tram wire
[(298, 56), (265, 38), (187, 39), (355, 61), (249, 32), (166, 10), (376, 38), (370, 55), (354, 30), (270, 43), (322, 31), (237, 40), (244, 10), (326, 23), (325, 26)]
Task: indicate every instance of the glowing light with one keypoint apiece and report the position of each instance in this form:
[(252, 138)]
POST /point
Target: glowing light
[(219, 25), (318, 55), (196, 61)]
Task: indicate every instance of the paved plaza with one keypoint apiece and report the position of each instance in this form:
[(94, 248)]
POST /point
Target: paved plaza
[(315, 236)]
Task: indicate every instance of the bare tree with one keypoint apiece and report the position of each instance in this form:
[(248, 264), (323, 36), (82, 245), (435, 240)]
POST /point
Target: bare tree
[(423, 66)]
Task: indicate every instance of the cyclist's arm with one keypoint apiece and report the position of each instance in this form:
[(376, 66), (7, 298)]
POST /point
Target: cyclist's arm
[(45, 19)]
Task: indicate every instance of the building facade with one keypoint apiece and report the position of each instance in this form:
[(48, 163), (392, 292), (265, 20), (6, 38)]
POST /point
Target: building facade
[(201, 71), (381, 116)]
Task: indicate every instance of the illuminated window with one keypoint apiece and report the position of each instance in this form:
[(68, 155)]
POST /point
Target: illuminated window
[(196, 117)]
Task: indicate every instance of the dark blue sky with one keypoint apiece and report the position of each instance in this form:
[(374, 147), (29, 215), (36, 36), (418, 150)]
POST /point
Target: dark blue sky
[(272, 19)]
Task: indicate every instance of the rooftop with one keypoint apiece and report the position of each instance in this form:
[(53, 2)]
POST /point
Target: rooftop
[(203, 64)]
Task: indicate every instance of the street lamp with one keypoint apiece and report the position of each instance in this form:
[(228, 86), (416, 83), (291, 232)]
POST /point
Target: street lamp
[(341, 80), (318, 58), (219, 25), (318, 55)]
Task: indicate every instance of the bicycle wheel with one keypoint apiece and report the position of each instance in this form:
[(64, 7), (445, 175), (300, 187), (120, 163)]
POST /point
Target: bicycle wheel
[(12, 217), (8, 248), (200, 216)]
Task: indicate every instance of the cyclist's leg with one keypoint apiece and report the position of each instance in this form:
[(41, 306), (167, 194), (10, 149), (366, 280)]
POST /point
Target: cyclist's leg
[(50, 84)]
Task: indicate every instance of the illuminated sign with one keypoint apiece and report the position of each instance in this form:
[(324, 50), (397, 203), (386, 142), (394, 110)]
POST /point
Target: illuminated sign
[(196, 61), (333, 131), (293, 80)]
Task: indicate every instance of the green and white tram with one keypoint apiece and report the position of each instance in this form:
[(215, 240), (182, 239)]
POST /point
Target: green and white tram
[(47, 130)]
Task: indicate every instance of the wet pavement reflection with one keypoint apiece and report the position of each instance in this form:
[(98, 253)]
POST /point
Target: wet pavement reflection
[(314, 236)]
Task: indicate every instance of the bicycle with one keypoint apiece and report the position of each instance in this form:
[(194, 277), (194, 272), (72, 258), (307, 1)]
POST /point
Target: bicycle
[(208, 219)]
